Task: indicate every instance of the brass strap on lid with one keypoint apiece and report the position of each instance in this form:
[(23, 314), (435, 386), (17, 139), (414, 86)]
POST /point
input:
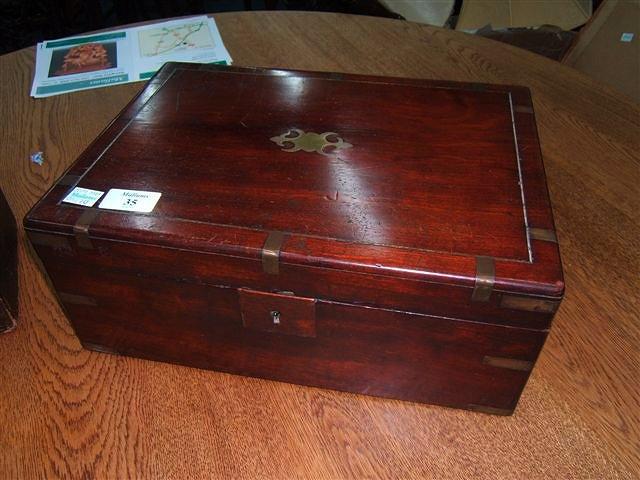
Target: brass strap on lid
[(81, 228), (271, 253), (485, 278)]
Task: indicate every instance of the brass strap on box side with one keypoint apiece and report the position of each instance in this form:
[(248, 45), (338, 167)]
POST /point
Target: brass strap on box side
[(271, 253), (529, 304), (485, 278), (81, 228), (508, 363), (543, 234)]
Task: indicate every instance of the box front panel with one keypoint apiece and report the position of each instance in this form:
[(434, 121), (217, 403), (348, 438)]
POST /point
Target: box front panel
[(326, 344)]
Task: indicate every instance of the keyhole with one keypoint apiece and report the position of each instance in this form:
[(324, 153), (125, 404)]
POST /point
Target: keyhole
[(275, 316)]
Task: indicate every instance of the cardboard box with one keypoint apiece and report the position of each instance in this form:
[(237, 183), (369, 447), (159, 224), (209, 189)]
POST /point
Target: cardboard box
[(566, 14), (607, 48)]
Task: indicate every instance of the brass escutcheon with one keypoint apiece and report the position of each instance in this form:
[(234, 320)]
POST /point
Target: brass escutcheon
[(309, 142)]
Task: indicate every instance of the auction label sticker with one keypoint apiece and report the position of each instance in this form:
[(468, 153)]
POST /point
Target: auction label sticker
[(130, 200), (83, 196)]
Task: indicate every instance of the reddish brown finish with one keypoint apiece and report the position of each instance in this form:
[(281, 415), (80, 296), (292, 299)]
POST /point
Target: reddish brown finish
[(434, 179), (357, 349), (277, 313)]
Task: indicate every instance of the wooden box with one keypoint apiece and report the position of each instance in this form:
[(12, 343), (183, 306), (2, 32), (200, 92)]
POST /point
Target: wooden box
[(383, 236), (8, 267)]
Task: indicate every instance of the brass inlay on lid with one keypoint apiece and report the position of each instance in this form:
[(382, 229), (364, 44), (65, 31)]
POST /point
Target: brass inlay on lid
[(295, 140)]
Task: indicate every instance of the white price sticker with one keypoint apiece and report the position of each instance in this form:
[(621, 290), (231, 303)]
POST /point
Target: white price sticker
[(83, 196), (130, 200)]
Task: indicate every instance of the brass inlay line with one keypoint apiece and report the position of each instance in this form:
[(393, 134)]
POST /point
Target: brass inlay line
[(81, 228), (485, 278), (271, 253), (543, 234), (508, 363)]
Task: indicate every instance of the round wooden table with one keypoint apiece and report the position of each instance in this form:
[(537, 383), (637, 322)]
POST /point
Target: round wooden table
[(68, 412)]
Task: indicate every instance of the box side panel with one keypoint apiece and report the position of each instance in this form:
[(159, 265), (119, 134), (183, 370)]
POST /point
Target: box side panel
[(351, 348)]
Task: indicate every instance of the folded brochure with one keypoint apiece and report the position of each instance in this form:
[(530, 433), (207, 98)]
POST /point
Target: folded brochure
[(123, 56)]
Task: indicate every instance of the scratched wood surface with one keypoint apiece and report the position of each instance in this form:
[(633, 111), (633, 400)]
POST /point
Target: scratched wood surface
[(66, 412)]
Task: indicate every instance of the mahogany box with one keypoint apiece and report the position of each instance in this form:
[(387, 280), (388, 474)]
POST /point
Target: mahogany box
[(384, 236)]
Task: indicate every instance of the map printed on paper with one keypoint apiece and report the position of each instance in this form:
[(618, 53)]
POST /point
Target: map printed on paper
[(123, 56), (188, 36)]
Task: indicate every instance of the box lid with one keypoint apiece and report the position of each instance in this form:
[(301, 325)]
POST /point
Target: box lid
[(415, 180)]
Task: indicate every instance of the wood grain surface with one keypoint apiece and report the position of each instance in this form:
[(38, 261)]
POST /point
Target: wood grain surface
[(66, 412)]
